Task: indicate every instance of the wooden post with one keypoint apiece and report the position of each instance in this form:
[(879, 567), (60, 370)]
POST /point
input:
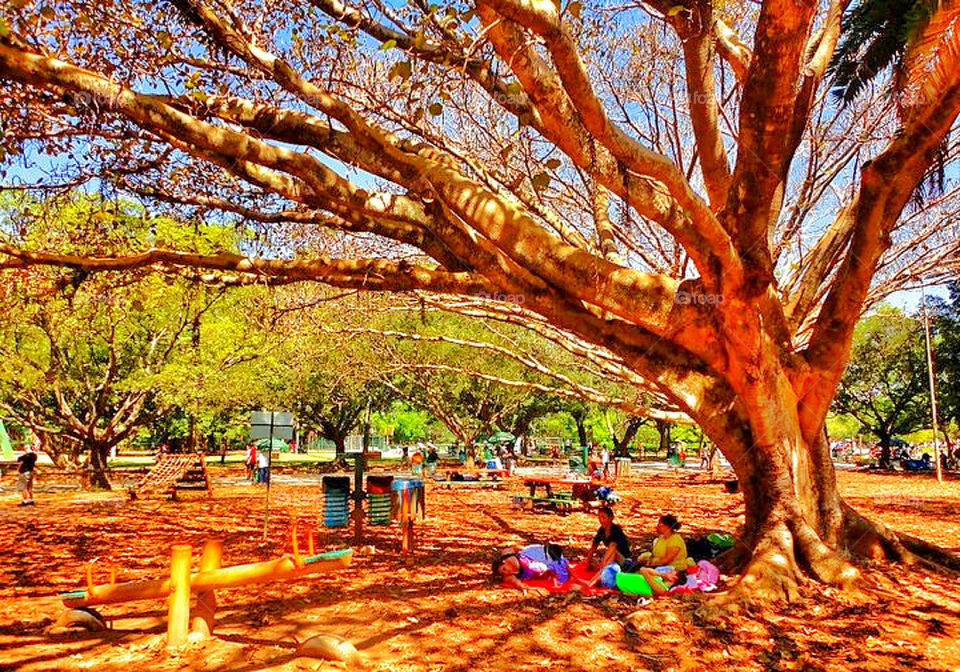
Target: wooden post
[(178, 613), (207, 600), (407, 514)]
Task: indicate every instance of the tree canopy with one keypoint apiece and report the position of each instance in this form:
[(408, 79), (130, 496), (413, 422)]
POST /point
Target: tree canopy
[(885, 383)]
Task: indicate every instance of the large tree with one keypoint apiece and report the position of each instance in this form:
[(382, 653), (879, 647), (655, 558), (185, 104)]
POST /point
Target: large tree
[(81, 357), (88, 361), (688, 211), (329, 388)]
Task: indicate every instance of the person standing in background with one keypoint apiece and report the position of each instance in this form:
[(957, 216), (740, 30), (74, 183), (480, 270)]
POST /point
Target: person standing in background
[(263, 466), (25, 484), (250, 461)]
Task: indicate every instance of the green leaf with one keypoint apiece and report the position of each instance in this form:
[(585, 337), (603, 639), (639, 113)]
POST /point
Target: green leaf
[(389, 44), (553, 164), (4, 30), (676, 9)]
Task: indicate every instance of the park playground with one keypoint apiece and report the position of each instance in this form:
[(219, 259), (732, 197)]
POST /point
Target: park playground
[(435, 608)]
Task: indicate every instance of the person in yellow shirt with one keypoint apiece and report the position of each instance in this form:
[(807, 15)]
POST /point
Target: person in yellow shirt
[(668, 548)]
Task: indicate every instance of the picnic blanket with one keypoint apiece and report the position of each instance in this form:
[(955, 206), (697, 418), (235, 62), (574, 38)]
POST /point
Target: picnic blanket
[(704, 580), (578, 570)]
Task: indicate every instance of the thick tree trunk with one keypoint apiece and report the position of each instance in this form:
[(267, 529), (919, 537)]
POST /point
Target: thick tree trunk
[(663, 429), (796, 522), (340, 442), (621, 447), (98, 466), (581, 429), (886, 459)]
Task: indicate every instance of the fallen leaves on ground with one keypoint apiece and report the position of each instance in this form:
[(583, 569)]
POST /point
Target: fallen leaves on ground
[(441, 613)]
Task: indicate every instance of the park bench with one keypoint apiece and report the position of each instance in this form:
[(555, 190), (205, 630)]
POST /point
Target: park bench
[(560, 503), (467, 485)]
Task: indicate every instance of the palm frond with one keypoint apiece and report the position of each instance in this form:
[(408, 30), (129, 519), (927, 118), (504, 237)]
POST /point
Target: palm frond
[(931, 61), (874, 35)]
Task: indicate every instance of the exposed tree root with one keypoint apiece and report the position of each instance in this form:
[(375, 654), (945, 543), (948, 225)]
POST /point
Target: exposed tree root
[(789, 553), (934, 556), (876, 541), (822, 562), (771, 575)]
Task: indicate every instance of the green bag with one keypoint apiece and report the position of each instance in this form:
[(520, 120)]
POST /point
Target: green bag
[(721, 539)]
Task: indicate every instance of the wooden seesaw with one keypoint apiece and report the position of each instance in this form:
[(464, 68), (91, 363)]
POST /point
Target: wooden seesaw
[(182, 582)]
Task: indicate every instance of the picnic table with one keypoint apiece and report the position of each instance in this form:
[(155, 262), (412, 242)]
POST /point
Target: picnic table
[(575, 491), (480, 471), (484, 478), (549, 482)]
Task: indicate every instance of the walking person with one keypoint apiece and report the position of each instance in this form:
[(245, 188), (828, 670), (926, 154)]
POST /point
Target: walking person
[(250, 462), (25, 484)]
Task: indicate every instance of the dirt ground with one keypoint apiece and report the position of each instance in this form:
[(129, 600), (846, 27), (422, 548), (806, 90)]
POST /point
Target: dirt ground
[(440, 612)]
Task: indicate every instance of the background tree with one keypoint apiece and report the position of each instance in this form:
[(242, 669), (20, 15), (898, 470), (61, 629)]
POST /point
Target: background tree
[(328, 387), (885, 383), (80, 355), (946, 328), (405, 424), (89, 361), (520, 422)]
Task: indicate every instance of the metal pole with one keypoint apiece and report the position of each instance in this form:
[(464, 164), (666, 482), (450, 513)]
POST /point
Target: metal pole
[(266, 508), (933, 387), (358, 500)]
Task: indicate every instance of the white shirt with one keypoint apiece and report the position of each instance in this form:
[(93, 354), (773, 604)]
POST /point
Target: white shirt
[(263, 459)]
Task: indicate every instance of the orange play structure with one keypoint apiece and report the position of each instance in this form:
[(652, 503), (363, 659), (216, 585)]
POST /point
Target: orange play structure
[(182, 582)]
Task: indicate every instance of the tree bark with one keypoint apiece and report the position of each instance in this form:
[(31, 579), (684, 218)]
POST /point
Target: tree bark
[(796, 522), (581, 428), (340, 441), (98, 466), (886, 459), (621, 447), (663, 428)]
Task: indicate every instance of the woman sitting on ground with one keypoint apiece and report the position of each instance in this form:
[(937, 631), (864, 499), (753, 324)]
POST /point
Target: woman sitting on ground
[(668, 548), (516, 565), (617, 546)]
